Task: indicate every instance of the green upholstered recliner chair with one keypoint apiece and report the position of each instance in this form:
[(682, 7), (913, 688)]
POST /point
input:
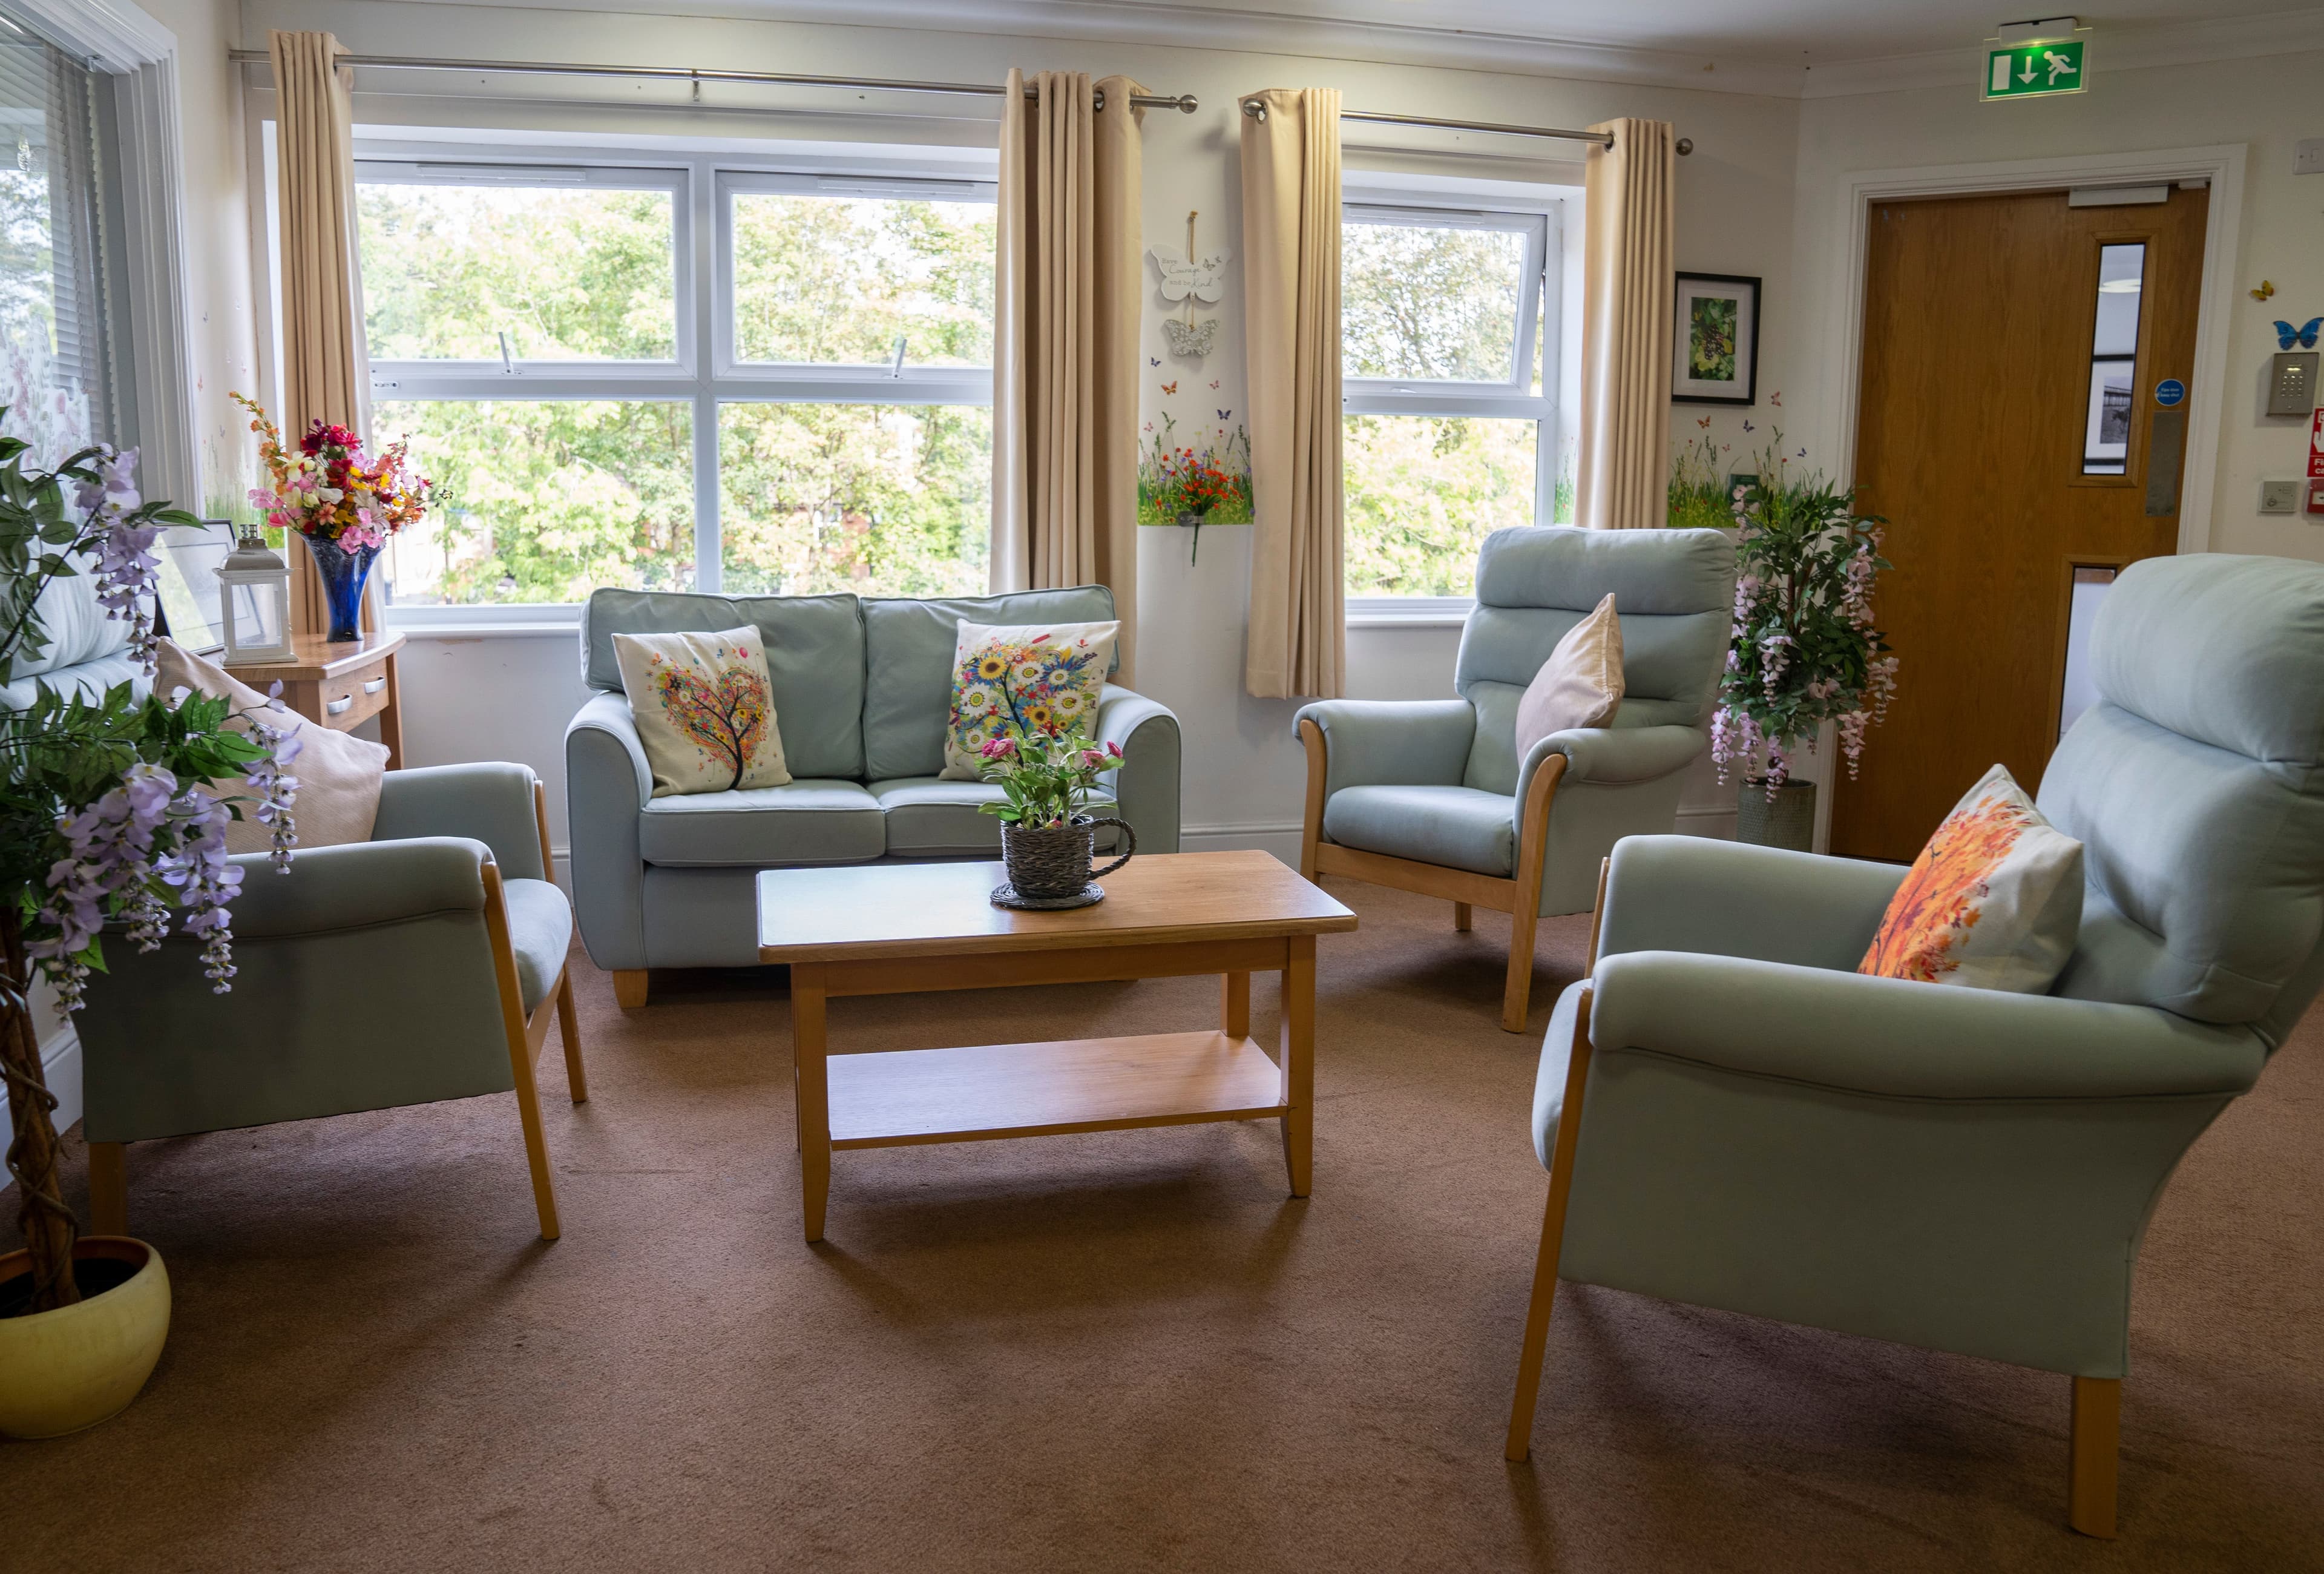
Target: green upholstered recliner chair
[(1430, 795), (1732, 1117), (420, 966)]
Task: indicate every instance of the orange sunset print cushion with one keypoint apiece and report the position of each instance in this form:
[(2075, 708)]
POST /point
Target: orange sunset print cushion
[(1994, 901)]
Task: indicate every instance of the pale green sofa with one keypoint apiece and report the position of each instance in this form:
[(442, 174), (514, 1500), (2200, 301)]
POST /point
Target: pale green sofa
[(863, 689), (1760, 1128)]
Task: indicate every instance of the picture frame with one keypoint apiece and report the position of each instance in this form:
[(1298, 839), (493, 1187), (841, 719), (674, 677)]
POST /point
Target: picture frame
[(1715, 341), (188, 583)]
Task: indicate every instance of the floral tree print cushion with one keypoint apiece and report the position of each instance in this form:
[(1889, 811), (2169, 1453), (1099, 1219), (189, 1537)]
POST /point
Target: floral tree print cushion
[(1011, 683), (1994, 901), (704, 708)]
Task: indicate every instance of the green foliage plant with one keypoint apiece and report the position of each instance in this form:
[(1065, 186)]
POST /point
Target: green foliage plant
[(1804, 649), (102, 817)]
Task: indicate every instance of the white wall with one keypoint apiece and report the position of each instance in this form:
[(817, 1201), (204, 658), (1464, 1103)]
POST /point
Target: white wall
[(498, 699)]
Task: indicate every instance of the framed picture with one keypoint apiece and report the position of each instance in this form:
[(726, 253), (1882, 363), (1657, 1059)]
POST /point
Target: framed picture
[(190, 559), (1717, 344)]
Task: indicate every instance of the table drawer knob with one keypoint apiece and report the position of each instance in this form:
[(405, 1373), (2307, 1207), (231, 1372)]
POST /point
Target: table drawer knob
[(339, 706), (375, 685)]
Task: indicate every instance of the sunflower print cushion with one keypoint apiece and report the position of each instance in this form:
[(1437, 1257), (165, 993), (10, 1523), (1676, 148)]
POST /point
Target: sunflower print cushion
[(1994, 901), (1010, 681)]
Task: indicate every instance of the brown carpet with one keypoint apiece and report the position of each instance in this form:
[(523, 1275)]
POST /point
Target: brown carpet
[(1127, 1351)]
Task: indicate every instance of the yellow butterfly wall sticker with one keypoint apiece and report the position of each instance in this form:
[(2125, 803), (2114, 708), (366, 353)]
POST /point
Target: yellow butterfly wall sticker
[(2266, 288)]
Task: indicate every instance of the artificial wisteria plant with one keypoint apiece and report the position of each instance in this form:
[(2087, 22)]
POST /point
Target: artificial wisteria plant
[(104, 816), (1804, 649)]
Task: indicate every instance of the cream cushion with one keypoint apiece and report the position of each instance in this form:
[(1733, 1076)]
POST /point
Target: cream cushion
[(705, 710), (339, 773), (1581, 684), (1994, 901)]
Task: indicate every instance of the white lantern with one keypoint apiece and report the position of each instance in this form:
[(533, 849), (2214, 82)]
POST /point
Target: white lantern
[(254, 604)]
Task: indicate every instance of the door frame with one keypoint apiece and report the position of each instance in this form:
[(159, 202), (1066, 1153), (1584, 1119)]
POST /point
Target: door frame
[(1855, 191)]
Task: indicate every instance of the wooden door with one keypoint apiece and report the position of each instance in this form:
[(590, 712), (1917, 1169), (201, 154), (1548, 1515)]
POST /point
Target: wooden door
[(2008, 442)]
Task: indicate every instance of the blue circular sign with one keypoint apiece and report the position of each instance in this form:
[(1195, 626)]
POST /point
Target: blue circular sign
[(2170, 391)]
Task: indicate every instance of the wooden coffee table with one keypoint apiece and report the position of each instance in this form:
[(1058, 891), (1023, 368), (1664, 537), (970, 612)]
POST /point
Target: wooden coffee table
[(894, 928)]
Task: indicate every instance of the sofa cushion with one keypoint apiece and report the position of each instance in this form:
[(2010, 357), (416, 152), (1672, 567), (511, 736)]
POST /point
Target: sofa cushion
[(810, 820), (815, 662), (1459, 827), (928, 817), (541, 933), (907, 658)]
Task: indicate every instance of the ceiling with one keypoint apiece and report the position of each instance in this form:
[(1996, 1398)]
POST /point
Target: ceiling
[(1771, 31), (1790, 48)]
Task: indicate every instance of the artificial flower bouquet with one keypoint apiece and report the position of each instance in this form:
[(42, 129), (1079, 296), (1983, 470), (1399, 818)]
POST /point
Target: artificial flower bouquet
[(108, 814), (328, 489), (1804, 649), (1047, 775)]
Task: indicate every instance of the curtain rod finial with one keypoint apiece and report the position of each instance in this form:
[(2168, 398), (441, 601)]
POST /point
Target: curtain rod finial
[(1685, 146)]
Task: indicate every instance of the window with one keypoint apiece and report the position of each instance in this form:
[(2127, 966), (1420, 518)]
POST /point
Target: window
[(680, 375), (56, 363), (1450, 368), (2114, 359)]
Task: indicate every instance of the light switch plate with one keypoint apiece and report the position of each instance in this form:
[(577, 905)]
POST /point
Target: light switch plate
[(2308, 156), (2279, 496)]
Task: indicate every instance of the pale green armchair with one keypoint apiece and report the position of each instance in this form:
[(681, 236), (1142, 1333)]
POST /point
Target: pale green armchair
[(1431, 795), (1732, 1117), (422, 965)]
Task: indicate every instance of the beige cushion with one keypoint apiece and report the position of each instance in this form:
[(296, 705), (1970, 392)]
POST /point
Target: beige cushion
[(339, 773), (705, 710), (1581, 684), (1994, 901), (1047, 676)]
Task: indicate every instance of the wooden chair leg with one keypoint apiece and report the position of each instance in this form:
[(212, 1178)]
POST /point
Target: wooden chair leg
[(1463, 918), (568, 1032), (527, 1094), (2096, 1456), (1553, 1240), (108, 1188), (1533, 851), (1311, 824), (629, 988)]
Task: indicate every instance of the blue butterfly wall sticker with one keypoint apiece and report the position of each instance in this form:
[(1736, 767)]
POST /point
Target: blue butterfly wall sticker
[(2305, 338), (1154, 360), (1224, 414)]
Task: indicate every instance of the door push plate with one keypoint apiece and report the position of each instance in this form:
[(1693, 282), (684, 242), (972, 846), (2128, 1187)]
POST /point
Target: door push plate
[(2291, 383), (2166, 447)]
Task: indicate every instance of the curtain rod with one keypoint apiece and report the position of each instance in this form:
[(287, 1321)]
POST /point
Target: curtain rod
[(1184, 102), (1258, 111)]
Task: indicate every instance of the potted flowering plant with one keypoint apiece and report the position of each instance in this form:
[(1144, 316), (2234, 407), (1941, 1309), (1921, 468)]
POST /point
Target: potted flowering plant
[(103, 822), (1804, 649), (1047, 843), (1202, 486), (343, 503)]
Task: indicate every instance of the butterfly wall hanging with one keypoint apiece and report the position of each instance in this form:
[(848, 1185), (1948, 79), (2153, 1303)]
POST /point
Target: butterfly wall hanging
[(1169, 388), (1190, 277), (2304, 337)]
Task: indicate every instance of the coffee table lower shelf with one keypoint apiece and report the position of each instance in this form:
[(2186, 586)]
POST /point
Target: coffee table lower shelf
[(966, 1095)]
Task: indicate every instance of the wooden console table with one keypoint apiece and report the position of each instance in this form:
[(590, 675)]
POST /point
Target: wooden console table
[(339, 684)]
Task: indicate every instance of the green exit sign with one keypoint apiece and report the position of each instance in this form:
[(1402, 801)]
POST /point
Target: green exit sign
[(2036, 70)]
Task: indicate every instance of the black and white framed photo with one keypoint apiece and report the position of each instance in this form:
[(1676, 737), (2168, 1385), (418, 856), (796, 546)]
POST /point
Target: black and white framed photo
[(1716, 348)]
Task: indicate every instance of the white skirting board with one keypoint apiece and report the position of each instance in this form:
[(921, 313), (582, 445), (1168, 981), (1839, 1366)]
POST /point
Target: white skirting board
[(60, 1064)]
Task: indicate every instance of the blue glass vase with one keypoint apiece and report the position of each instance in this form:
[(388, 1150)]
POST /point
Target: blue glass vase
[(343, 573)]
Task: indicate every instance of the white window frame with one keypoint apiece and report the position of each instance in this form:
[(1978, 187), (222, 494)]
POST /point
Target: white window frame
[(703, 370), (1540, 220)]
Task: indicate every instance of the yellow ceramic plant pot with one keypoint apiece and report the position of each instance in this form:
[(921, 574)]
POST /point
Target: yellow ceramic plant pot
[(63, 1370)]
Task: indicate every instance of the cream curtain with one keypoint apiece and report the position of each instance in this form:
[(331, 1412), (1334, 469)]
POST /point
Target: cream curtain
[(1627, 216), (326, 370), (1298, 638), (1065, 354)]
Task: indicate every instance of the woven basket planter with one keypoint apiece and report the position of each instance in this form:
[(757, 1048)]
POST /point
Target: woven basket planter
[(1786, 821), (1055, 860)]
